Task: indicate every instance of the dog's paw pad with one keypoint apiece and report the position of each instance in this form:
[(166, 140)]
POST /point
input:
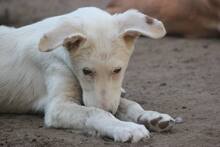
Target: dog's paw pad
[(165, 124), (156, 121)]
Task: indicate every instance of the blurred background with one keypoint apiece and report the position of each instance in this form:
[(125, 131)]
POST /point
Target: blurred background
[(186, 18), (23, 12)]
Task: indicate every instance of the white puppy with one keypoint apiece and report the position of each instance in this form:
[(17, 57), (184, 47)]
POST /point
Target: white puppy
[(71, 68)]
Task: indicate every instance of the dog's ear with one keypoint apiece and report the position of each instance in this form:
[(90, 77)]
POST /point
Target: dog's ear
[(66, 35), (132, 24)]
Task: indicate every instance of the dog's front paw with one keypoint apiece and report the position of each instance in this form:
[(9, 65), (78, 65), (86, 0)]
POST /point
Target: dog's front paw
[(129, 132), (156, 121)]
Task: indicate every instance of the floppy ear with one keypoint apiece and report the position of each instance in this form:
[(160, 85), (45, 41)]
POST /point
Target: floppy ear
[(64, 35), (133, 24)]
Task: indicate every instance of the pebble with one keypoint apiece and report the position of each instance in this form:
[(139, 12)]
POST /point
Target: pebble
[(179, 120), (163, 84)]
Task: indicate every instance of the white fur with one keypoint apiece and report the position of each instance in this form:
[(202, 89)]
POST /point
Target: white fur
[(52, 82)]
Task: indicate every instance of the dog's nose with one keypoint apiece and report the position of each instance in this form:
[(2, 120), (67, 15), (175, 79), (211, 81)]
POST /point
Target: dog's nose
[(106, 108)]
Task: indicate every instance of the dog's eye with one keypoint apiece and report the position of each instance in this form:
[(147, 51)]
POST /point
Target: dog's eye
[(117, 70), (87, 71)]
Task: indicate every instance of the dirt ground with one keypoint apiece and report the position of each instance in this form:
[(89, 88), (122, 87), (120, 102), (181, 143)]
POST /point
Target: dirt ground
[(177, 76)]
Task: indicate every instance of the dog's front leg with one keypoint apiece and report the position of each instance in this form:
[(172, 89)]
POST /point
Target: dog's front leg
[(131, 111), (63, 111)]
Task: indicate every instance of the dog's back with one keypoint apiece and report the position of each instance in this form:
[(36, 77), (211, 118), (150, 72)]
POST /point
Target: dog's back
[(18, 75), (21, 64), (5, 29)]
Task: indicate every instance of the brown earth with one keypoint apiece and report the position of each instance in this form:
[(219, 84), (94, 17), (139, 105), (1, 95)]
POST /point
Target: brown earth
[(173, 75), (177, 76)]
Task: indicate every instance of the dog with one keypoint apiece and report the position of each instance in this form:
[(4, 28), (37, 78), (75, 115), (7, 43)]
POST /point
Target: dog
[(71, 68)]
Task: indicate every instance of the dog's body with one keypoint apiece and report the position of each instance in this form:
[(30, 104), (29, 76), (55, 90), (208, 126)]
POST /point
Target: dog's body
[(87, 54), (24, 69)]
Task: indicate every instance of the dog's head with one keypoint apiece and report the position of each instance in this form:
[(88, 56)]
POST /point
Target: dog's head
[(100, 49)]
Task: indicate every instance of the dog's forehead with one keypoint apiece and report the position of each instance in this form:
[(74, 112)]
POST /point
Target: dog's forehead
[(104, 58), (101, 52), (103, 46), (110, 49), (105, 62), (103, 38)]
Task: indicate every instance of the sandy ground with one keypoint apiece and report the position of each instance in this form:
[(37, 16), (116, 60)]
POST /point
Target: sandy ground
[(176, 76)]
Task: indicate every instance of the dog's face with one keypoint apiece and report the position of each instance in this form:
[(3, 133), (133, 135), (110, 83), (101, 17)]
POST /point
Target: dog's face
[(100, 52), (100, 68)]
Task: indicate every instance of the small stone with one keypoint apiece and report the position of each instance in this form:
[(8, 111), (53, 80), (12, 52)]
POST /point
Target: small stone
[(184, 107), (9, 130), (34, 140), (148, 82), (179, 120), (41, 126), (176, 50), (163, 84), (205, 46)]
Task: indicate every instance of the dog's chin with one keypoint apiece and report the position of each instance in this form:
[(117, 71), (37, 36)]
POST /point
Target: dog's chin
[(111, 108)]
